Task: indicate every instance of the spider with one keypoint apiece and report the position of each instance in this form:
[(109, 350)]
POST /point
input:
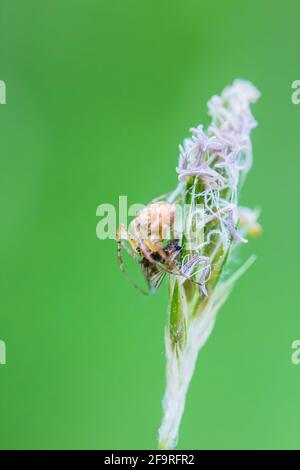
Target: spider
[(154, 243)]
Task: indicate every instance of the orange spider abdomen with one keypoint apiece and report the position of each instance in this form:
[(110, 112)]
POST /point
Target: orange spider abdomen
[(155, 223)]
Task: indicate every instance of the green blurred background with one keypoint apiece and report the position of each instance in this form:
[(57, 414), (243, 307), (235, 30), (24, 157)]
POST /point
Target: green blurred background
[(99, 95)]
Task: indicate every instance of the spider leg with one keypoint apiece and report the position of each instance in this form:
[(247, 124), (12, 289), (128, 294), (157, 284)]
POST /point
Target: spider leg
[(168, 267), (132, 253), (162, 198), (173, 269), (131, 249), (172, 266), (148, 255)]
